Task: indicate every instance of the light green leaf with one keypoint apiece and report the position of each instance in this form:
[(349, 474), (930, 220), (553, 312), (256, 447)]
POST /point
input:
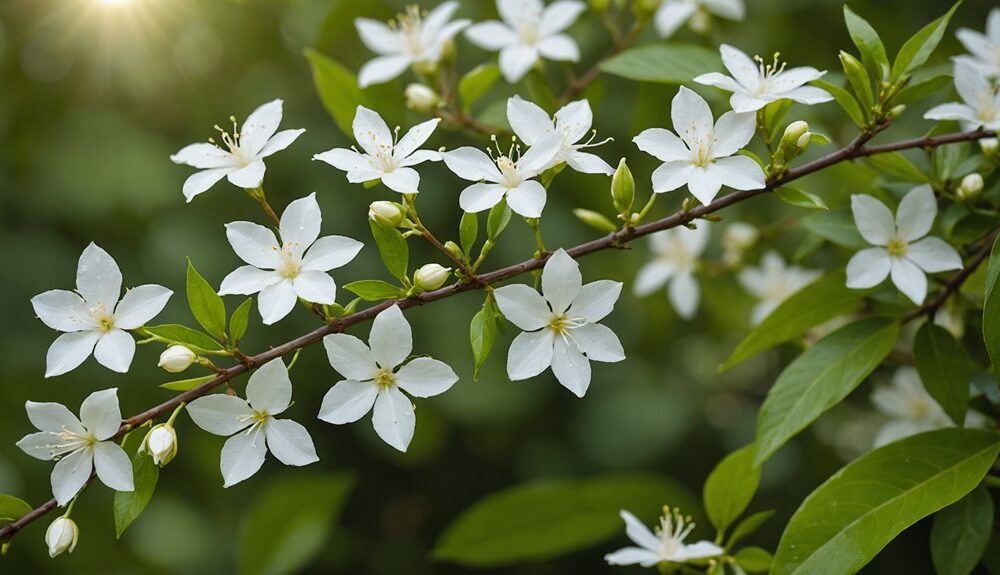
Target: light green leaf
[(549, 518), (960, 533), (206, 305), (730, 487), (174, 333), (338, 89), (393, 249), (846, 100), (12, 508), (868, 42), (820, 378), (824, 299), (240, 320), (187, 384), (943, 365), (919, 48), (844, 523), (800, 199), (991, 308), (748, 526), (128, 505), (498, 219), (897, 165), (921, 90), (667, 63), (754, 559), (596, 220), (375, 290), (468, 231), (475, 83), (289, 522), (482, 332), (836, 226), (859, 79)]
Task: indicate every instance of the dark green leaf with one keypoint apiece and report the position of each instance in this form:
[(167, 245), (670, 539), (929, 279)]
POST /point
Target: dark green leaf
[(844, 523), (944, 368), (897, 165), (868, 42), (991, 308), (338, 89), (667, 63), (754, 559), (960, 533), (919, 48), (240, 320), (800, 198), (128, 505), (375, 290), (748, 526), (921, 90), (498, 219), (730, 487), (482, 332), (187, 384), (845, 99), (12, 508), (836, 226), (393, 249), (174, 333), (476, 83), (468, 230), (206, 305)]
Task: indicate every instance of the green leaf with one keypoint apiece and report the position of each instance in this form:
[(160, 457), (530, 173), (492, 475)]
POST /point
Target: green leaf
[(206, 305), (393, 249), (498, 219), (820, 378), (944, 368), (667, 63), (897, 165), (844, 523), (289, 522), (991, 308), (128, 505), (548, 518), (187, 384), (540, 90), (846, 100), (919, 48), (824, 299), (174, 333), (375, 290), (921, 90), (800, 198), (960, 533), (836, 226), (859, 79), (468, 231), (12, 508), (749, 526), (240, 320), (730, 487), (754, 559), (482, 332), (475, 83), (868, 42), (338, 89)]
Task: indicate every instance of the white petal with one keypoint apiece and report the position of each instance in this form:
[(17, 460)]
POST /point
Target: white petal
[(684, 294), (242, 456), (98, 278), (491, 35), (633, 556), (530, 354), (258, 128), (561, 281), (63, 310), (663, 144), (402, 180), (203, 156), (279, 142), (745, 103), (916, 213), (516, 11), (371, 131), (599, 343), (394, 420), (733, 132), (382, 69), (934, 255), (639, 533), (731, 9), (68, 351), (691, 116), (246, 280), (971, 85), (391, 338), (345, 160), (868, 268), (331, 252), (742, 67), (471, 164), (704, 182), (560, 48), (415, 138), (115, 350), (589, 164), (421, 156), (290, 442), (529, 122), (100, 413), (70, 474), (652, 277), (596, 300), (739, 172), (720, 81), (523, 306), (873, 218), (249, 176), (481, 197), (220, 414), (516, 60), (113, 466), (200, 182), (39, 445), (953, 111), (672, 175), (348, 401), (350, 356), (378, 37), (809, 95), (425, 377), (560, 15), (539, 156), (315, 287), (254, 244), (570, 367), (276, 301), (909, 279), (300, 222), (528, 199), (54, 417), (269, 389), (699, 550), (140, 305), (672, 15)]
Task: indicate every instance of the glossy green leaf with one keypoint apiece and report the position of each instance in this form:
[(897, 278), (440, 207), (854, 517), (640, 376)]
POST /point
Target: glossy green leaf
[(895, 164), (820, 378), (338, 89), (375, 290), (12, 508), (960, 533), (730, 487), (944, 368), (824, 299), (174, 333), (187, 384), (748, 526), (393, 249), (498, 219), (667, 63), (240, 320), (754, 559), (859, 79), (845, 99), (475, 83), (128, 505), (836, 226), (919, 48), (482, 332), (468, 231), (206, 305), (868, 42), (800, 199), (991, 308), (920, 90), (845, 522)]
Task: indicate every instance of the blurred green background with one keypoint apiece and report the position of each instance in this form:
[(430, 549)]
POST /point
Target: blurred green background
[(94, 99)]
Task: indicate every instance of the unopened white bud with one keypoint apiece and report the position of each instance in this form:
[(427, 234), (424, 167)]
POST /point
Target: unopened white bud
[(431, 276), (971, 186), (386, 214), (989, 145), (161, 443), (421, 98), (176, 358), (61, 536), (804, 140)]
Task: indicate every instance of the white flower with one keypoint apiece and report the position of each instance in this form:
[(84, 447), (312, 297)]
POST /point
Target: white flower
[(737, 239), (243, 162), (560, 325), (161, 443), (667, 544), (508, 175), (373, 380), (910, 408), (413, 39), (79, 445), (773, 282), (756, 84), (93, 318), (985, 48), (384, 158), (703, 156), (295, 268), (572, 122), (981, 107), (251, 426), (61, 536), (176, 359), (676, 254), (529, 31), (431, 276), (898, 250), (672, 14)]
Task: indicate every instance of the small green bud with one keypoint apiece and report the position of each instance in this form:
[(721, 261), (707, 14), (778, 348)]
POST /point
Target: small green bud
[(431, 277), (388, 215), (989, 146), (453, 249), (600, 6), (793, 132), (421, 98), (594, 220), (971, 186), (897, 111), (623, 188)]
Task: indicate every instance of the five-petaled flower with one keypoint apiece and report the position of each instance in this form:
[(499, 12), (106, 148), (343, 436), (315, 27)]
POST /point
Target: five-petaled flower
[(413, 39), (560, 324), (666, 545), (703, 156), (573, 121), (529, 30), (900, 251), (243, 162), (676, 252), (981, 97), (773, 282), (755, 83), (93, 318), (252, 427), (79, 445), (910, 409), (373, 379), (384, 157), (984, 48), (672, 14), (294, 268)]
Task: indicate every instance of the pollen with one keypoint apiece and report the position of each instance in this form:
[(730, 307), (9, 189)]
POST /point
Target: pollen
[(385, 378), (896, 247)]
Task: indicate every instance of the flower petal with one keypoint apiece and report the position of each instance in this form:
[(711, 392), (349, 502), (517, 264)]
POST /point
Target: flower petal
[(516, 60), (54, 417), (560, 48), (808, 95), (300, 223), (203, 156), (101, 414), (633, 556), (242, 456), (672, 175), (733, 132), (350, 356), (290, 442), (279, 142), (402, 180), (377, 37), (691, 116), (415, 138), (570, 367), (916, 213), (344, 159), (528, 199), (731, 9), (249, 176), (491, 35), (910, 279), (391, 338), (638, 532), (868, 268), (315, 287), (270, 389), (722, 82), (70, 474), (258, 128), (382, 69), (140, 305), (684, 294), (331, 252), (113, 466), (739, 172), (699, 550), (599, 343), (561, 281), (69, 350), (704, 182), (663, 145), (393, 418), (246, 280), (425, 377), (523, 306), (742, 67), (471, 164), (873, 219), (39, 445), (63, 310), (371, 131), (98, 278), (348, 401), (530, 354), (276, 301), (672, 15), (589, 164), (220, 414), (254, 244), (560, 15), (529, 122), (596, 300), (652, 277), (115, 350), (481, 197), (934, 255), (200, 182)]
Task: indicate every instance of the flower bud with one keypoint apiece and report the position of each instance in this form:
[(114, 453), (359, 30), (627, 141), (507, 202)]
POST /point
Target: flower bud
[(453, 249), (804, 140), (623, 188), (989, 146), (161, 443), (421, 98), (176, 358), (594, 220), (61, 536), (793, 134), (431, 276), (387, 215), (599, 6), (897, 111), (971, 186)]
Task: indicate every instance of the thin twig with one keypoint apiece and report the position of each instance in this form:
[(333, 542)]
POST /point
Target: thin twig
[(954, 283)]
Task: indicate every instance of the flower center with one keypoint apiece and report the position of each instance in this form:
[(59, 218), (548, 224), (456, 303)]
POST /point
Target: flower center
[(673, 529), (560, 324), (896, 247), (411, 27), (233, 142), (68, 442), (105, 321), (768, 72), (385, 378), (291, 264), (528, 29)]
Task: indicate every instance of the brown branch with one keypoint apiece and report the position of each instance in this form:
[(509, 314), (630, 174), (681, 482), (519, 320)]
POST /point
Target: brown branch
[(954, 283), (578, 85), (856, 149)]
